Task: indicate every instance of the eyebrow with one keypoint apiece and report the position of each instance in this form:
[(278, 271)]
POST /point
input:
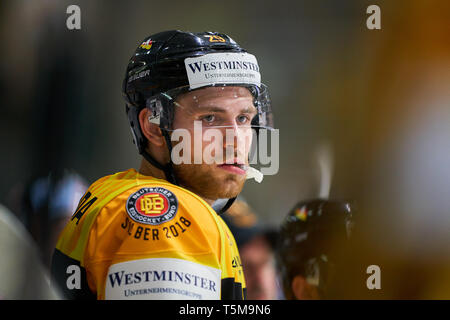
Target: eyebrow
[(222, 110)]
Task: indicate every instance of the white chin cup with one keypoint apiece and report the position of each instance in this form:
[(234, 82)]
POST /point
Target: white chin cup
[(255, 174)]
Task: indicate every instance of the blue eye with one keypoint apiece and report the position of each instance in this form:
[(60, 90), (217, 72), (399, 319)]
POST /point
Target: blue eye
[(209, 118), (243, 119)]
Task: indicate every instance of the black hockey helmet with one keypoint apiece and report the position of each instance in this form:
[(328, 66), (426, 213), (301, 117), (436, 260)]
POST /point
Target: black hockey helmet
[(158, 63), (313, 238)]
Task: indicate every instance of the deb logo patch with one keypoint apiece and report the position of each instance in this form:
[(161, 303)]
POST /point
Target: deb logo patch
[(153, 206), (162, 279)]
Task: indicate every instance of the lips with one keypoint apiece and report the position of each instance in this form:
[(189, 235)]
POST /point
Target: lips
[(237, 167)]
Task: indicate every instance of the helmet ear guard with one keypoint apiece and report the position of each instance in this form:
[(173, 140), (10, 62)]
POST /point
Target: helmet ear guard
[(155, 107), (161, 108), (263, 118), (139, 139)]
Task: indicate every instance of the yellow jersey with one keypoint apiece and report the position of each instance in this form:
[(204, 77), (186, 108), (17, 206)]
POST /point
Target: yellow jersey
[(137, 237)]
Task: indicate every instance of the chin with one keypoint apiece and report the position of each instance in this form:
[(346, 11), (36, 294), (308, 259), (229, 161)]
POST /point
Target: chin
[(231, 187), (223, 189), (210, 184)]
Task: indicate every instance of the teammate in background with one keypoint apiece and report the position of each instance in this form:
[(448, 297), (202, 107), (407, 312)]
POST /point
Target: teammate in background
[(152, 233), (314, 249), (256, 245)]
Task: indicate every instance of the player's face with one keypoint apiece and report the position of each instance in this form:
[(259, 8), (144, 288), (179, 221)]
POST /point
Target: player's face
[(225, 115)]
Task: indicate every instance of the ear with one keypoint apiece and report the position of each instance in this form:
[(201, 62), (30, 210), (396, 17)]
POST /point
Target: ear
[(303, 290), (150, 130)]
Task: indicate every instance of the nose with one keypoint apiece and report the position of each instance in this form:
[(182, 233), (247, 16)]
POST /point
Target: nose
[(237, 138), (231, 134)]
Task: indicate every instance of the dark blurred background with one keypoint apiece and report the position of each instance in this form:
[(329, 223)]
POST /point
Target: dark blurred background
[(379, 99)]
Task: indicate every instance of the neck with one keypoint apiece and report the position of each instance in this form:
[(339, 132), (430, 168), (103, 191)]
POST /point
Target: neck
[(147, 169)]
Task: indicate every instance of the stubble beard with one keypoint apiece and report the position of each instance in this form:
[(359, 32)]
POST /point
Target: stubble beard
[(208, 182)]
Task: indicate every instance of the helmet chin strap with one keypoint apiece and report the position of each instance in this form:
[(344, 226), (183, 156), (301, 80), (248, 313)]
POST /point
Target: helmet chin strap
[(167, 168), (222, 205)]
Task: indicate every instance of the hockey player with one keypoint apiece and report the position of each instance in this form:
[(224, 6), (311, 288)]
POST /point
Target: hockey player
[(153, 233)]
